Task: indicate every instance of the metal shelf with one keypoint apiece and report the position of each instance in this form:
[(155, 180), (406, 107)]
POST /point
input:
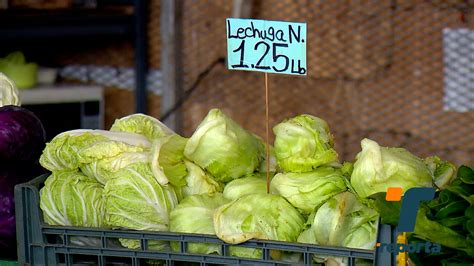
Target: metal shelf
[(61, 94), (28, 24)]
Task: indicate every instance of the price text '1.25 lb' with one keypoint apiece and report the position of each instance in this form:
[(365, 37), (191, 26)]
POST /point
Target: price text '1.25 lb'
[(267, 46)]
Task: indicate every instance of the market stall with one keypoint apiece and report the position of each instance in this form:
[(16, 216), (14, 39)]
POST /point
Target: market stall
[(347, 140)]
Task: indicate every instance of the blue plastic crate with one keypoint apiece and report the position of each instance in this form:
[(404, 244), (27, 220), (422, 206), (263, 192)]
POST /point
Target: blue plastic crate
[(42, 244)]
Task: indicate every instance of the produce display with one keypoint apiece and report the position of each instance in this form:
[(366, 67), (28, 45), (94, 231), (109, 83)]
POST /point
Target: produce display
[(22, 138), (141, 175)]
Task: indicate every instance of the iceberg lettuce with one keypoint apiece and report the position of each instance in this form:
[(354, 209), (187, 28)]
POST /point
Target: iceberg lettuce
[(194, 214), (307, 191), (378, 168), (223, 148), (303, 143)]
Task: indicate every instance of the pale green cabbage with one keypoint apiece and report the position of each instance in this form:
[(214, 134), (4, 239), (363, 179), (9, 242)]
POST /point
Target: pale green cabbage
[(261, 216), (303, 143), (72, 149), (135, 200), (8, 92), (194, 214), (148, 126), (344, 222), (71, 199), (309, 190), (199, 182), (167, 160), (252, 184), (378, 168), (223, 148)]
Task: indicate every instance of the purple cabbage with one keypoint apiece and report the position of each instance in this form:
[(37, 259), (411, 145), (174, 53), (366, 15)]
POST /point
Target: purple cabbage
[(10, 176), (22, 136)]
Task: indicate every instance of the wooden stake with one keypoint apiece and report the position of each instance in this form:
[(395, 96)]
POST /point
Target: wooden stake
[(267, 120)]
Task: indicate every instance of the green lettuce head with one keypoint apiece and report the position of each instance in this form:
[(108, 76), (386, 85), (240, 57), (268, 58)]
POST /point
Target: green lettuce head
[(378, 168), (199, 182), (303, 143), (251, 184), (135, 200), (223, 148), (72, 149), (262, 216), (344, 222), (194, 215), (69, 198), (8, 92), (142, 124), (443, 172), (307, 191)]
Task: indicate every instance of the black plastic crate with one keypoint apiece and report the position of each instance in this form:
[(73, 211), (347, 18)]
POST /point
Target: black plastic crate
[(42, 244)]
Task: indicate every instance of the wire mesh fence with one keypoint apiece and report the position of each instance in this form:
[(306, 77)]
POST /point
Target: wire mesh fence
[(398, 72)]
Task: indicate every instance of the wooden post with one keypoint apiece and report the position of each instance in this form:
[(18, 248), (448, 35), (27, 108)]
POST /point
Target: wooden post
[(170, 60)]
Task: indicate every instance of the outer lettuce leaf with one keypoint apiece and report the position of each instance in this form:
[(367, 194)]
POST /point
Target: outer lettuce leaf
[(343, 221), (252, 184), (199, 182), (443, 172), (142, 124), (168, 160), (72, 149), (378, 168), (102, 170), (72, 199), (135, 200), (307, 191), (303, 143), (223, 148), (8, 92), (195, 215)]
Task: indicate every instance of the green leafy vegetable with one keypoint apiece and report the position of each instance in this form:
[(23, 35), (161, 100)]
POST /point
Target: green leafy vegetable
[(378, 168), (252, 184), (307, 191), (303, 143), (72, 149), (433, 231), (142, 124), (72, 199), (223, 148), (168, 160), (195, 215), (103, 169), (8, 92), (263, 216), (342, 221), (199, 182), (15, 66), (443, 172), (135, 200)]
